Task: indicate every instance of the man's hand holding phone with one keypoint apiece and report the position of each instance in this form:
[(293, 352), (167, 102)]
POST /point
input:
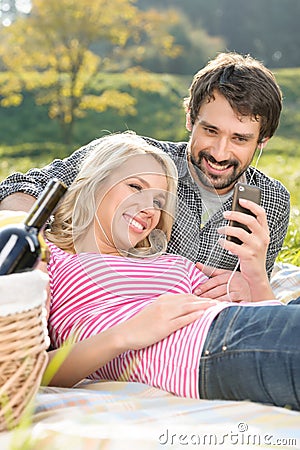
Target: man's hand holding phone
[(243, 192), (247, 237)]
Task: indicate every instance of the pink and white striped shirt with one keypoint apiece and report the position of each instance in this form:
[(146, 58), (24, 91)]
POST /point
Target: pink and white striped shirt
[(93, 292)]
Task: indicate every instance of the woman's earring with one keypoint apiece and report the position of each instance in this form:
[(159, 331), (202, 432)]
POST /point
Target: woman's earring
[(158, 241)]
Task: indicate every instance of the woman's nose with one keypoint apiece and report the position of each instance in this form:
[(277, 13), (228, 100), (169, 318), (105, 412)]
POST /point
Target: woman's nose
[(147, 203)]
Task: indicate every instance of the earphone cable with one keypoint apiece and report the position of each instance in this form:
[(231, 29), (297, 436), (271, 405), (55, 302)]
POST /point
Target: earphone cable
[(238, 262)]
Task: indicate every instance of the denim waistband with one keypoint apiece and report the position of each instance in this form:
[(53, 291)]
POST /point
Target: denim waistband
[(221, 321)]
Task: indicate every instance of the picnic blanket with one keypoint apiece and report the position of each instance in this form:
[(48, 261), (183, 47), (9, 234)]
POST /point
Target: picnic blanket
[(121, 416)]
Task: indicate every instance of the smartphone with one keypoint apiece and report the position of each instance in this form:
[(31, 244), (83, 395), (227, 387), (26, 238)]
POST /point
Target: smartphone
[(248, 192)]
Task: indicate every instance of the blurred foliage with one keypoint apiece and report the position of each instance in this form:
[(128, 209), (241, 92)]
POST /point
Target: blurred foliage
[(67, 57), (157, 103), (196, 46), (22, 157), (50, 54), (267, 29), (159, 114)]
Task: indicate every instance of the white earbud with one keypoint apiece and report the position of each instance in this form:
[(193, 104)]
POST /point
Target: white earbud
[(263, 143)]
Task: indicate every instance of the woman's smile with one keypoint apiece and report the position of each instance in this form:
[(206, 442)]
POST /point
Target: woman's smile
[(136, 224)]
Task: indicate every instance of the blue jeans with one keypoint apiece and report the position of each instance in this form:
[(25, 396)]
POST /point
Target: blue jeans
[(253, 353)]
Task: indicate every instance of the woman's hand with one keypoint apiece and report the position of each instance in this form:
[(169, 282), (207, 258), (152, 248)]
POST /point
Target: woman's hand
[(168, 313), (153, 323), (253, 250)]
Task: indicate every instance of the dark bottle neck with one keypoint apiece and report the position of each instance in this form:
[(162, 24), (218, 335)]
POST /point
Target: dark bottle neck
[(45, 204)]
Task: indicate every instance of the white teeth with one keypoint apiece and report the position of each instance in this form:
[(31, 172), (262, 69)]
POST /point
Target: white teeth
[(217, 167), (136, 224)]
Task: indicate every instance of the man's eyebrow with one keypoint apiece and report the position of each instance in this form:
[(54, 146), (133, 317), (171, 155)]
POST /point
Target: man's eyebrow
[(240, 135), (244, 135), (206, 124)]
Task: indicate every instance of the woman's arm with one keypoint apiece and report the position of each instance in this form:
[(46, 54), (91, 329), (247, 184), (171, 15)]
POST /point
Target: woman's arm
[(156, 321)]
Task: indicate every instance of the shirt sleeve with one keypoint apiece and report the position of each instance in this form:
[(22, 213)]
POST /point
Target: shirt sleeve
[(278, 225)]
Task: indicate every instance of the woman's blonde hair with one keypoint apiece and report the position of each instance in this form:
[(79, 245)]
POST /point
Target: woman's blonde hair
[(104, 156)]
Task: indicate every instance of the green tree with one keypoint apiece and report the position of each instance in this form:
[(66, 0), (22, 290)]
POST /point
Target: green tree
[(50, 52), (190, 35), (197, 48), (267, 29)]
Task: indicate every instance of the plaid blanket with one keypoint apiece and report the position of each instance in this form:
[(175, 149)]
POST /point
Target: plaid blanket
[(285, 282), (121, 416)]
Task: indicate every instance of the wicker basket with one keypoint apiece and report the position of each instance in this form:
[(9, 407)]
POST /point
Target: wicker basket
[(23, 356)]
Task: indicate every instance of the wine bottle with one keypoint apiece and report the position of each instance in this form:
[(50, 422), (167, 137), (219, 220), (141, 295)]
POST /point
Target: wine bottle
[(20, 247)]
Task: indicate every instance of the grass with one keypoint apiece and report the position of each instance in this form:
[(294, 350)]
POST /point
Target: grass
[(22, 157), (281, 160)]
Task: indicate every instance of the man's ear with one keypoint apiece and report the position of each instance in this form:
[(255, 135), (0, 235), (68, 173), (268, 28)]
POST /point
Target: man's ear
[(188, 123), (263, 143)]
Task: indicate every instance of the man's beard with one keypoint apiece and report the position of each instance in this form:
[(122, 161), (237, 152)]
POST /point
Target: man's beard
[(214, 181)]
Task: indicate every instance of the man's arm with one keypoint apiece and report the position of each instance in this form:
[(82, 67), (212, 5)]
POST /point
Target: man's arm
[(17, 202), (278, 225)]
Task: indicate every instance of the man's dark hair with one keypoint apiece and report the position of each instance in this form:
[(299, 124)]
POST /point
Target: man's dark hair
[(249, 87)]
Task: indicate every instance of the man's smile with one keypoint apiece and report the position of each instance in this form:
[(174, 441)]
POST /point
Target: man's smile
[(216, 167)]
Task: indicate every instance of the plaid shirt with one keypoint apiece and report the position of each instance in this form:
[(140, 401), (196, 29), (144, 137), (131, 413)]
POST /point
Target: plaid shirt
[(189, 238)]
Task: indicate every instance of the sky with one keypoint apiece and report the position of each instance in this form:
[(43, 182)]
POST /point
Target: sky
[(7, 10)]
